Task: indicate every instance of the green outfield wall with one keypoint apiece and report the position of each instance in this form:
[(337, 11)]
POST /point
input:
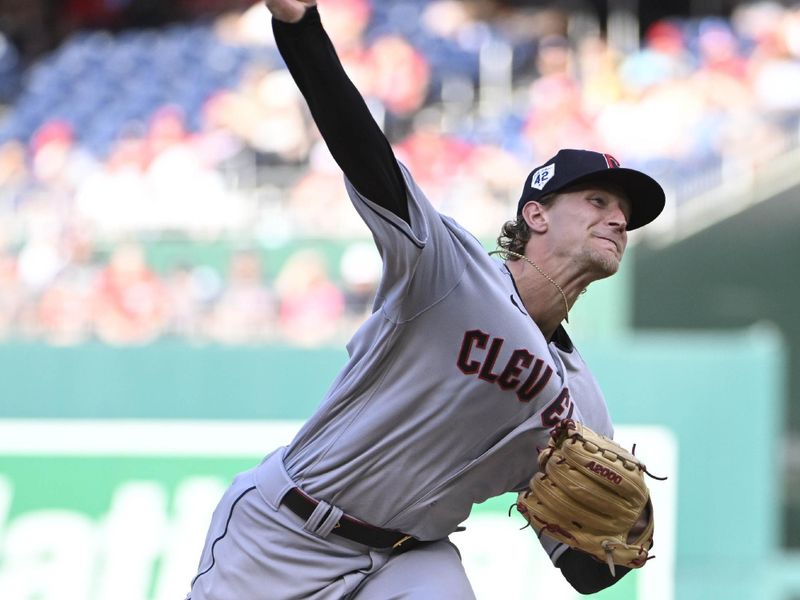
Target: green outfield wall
[(112, 459)]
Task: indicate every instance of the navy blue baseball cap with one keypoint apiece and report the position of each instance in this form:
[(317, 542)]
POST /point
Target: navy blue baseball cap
[(572, 167)]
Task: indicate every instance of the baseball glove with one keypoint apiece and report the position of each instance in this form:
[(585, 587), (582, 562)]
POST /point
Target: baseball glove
[(590, 494)]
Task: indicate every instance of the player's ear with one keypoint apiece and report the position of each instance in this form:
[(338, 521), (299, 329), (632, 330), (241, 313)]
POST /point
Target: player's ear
[(535, 216)]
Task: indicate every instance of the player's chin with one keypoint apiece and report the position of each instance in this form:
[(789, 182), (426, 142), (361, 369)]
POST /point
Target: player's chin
[(604, 264)]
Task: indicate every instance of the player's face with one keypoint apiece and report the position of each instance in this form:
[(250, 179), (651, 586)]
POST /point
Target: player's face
[(589, 226)]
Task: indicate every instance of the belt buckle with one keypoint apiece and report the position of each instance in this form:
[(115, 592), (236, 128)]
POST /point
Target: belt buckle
[(401, 541)]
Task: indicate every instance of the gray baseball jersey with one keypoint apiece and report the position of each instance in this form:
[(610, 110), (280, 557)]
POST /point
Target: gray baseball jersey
[(450, 387), (448, 394)]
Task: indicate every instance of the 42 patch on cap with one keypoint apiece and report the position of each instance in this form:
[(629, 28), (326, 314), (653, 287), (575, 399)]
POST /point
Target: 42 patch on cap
[(542, 176)]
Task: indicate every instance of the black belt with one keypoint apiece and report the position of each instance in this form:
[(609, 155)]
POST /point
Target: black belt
[(349, 527)]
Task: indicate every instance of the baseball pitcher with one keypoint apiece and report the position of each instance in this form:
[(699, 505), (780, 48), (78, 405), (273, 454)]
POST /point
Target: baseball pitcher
[(461, 385)]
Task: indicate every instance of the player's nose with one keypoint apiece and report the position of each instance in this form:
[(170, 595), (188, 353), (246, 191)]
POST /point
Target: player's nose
[(616, 218)]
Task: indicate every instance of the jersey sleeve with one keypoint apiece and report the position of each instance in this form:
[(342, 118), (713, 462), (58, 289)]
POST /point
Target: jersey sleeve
[(423, 258), (553, 548)]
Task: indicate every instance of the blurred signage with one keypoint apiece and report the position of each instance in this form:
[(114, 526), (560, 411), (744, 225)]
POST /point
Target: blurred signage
[(92, 510)]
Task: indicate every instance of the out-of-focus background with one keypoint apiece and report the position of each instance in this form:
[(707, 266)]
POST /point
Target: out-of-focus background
[(180, 267)]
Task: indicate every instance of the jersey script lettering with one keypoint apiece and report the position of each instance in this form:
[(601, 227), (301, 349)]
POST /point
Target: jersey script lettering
[(560, 408), (522, 371)]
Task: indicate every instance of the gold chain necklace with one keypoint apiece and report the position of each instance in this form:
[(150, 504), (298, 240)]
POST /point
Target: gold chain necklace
[(545, 275)]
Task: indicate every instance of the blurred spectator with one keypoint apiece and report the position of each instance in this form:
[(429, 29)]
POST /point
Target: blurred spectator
[(597, 72), (434, 157), (400, 75), (245, 28), (449, 19), (719, 49), (775, 59), (41, 257), (14, 177), (111, 199), (246, 311), (131, 304), (310, 304), (346, 22), (218, 145), (193, 291), (663, 58), (266, 112), (756, 22), (318, 204), (12, 296), (360, 267), (58, 162), (556, 118), (488, 184), (64, 315)]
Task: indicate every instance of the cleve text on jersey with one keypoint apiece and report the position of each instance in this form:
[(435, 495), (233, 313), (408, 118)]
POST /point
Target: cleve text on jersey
[(522, 371)]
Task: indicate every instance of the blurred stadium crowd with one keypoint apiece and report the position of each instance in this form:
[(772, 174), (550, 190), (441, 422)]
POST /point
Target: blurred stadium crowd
[(114, 141)]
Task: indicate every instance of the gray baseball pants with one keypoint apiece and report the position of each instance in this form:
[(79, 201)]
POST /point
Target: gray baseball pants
[(257, 549)]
